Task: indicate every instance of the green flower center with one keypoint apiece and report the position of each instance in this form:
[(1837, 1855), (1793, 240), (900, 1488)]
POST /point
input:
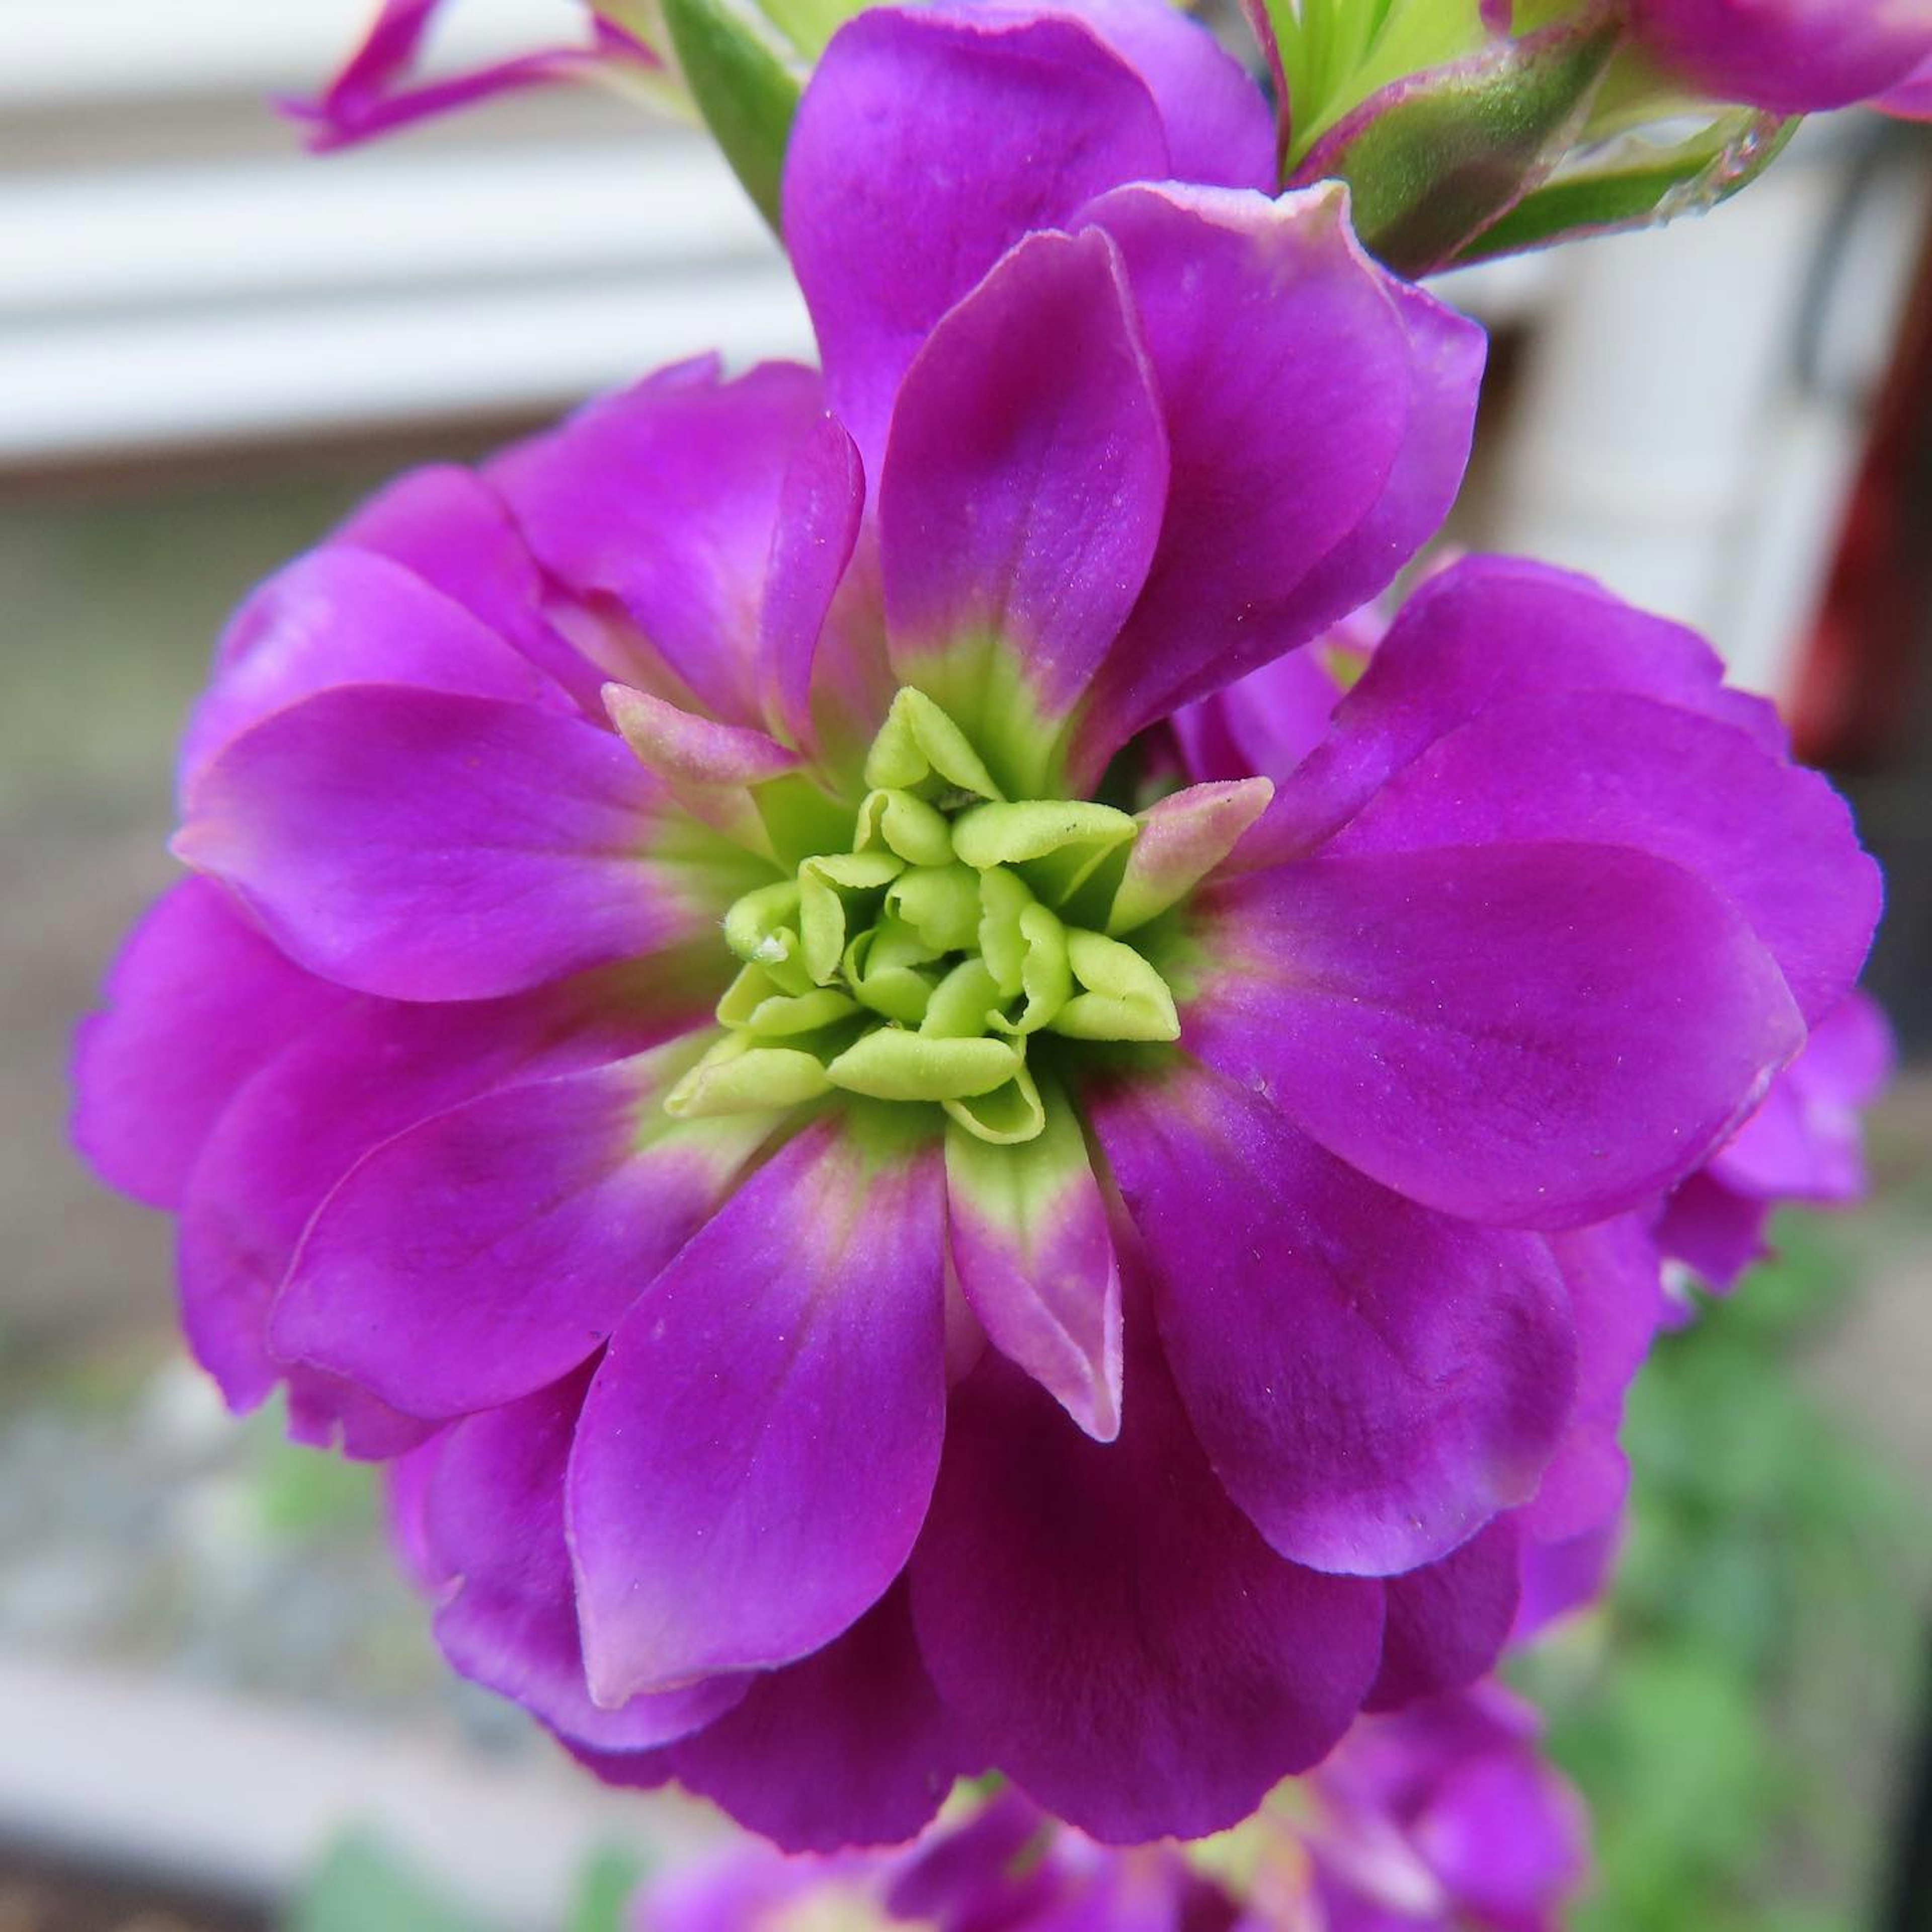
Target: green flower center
[(919, 964)]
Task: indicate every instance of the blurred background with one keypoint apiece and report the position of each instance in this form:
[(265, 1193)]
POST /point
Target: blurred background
[(218, 1708)]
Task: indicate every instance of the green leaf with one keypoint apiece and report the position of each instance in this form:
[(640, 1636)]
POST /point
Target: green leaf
[(1433, 161), (604, 1889), (746, 87), (1648, 186), (363, 1885)]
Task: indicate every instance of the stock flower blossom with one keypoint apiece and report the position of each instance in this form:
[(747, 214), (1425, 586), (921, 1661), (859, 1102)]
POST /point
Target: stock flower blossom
[(883, 1246), (1443, 1819), (1791, 56), (377, 89)]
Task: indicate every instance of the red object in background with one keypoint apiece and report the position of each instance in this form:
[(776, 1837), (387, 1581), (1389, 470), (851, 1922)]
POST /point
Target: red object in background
[(1853, 708)]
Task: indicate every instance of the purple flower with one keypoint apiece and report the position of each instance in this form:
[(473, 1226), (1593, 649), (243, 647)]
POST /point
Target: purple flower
[(1804, 1144), (1443, 1819), (883, 1264), (1791, 56), (375, 92)]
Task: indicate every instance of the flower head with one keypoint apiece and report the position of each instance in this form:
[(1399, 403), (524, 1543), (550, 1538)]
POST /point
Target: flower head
[(892, 1243)]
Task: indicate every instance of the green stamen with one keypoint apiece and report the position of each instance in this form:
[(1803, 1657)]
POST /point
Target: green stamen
[(918, 965)]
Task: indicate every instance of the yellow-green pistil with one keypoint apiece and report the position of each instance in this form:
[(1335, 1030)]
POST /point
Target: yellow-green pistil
[(917, 965)]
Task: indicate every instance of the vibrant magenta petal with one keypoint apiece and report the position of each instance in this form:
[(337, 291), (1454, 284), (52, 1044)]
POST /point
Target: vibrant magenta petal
[(1613, 1277), (342, 616), (1028, 1234), (758, 1449), (1482, 632), (1614, 769), (821, 505), (1219, 131), (1265, 723), (1911, 100), (1261, 313), (851, 1746), (1372, 1382), (493, 1525), (371, 1070), (664, 500), (707, 769), (1109, 1628), (1792, 56), (1031, 401), (976, 132), (1713, 1230), (427, 846), (447, 526), (197, 1000), (479, 1256), (1537, 1035), (1448, 1621), (1586, 1482), (1560, 1577)]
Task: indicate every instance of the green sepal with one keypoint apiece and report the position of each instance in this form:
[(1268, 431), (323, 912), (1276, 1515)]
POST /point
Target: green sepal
[(889, 1064), (903, 823), (1008, 835), (736, 1076), (1434, 159), (829, 888), (762, 929), (1123, 996), (746, 86), (1649, 185), (940, 903), (964, 1004), (919, 746), (1009, 1116)]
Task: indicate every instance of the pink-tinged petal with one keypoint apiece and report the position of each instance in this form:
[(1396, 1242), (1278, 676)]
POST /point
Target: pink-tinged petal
[(196, 1002), (1506, 1837), (427, 846), (342, 617), (821, 507), (1109, 1629), (1182, 838), (1259, 312), (975, 133), (479, 1256), (1612, 769), (372, 1069), (493, 1525), (1220, 130), (662, 501), (1535, 1035), (1448, 1621), (405, 1484), (1481, 631), (851, 1746), (707, 769), (1032, 402), (447, 526), (1028, 1234), (1371, 1382), (758, 1450)]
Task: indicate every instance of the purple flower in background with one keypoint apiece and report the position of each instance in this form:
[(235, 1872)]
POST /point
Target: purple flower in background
[(1444, 1818), (377, 89), (1791, 56), (1804, 1144), (878, 1261)]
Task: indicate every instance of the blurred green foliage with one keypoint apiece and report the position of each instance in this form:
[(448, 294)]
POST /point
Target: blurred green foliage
[(1731, 1713)]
